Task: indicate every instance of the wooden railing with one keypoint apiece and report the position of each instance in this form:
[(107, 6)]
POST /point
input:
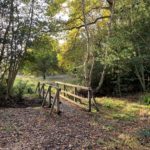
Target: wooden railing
[(44, 91), (68, 95)]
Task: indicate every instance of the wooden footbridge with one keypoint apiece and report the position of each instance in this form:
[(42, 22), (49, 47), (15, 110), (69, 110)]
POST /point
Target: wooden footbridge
[(53, 95)]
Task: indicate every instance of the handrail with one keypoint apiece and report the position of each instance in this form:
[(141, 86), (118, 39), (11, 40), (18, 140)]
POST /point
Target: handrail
[(73, 85), (62, 91), (74, 95), (52, 85), (47, 94)]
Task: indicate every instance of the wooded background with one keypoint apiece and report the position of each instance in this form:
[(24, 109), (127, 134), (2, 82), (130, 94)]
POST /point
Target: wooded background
[(105, 45)]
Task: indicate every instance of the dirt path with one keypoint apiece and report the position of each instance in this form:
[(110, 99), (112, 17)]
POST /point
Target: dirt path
[(32, 128)]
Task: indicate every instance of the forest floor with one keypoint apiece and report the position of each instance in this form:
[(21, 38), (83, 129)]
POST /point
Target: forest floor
[(119, 125)]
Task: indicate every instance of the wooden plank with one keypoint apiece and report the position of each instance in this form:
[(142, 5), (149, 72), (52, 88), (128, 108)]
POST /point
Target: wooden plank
[(75, 93), (52, 85), (58, 102), (89, 99), (45, 97), (64, 89), (72, 85), (37, 87), (71, 94), (95, 104), (71, 101), (55, 98), (49, 98)]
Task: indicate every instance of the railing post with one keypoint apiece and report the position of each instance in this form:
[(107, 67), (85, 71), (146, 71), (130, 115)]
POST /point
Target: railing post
[(75, 92), (58, 101), (37, 87), (64, 90), (39, 90), (50, 96), (43, 94), (89, 99)]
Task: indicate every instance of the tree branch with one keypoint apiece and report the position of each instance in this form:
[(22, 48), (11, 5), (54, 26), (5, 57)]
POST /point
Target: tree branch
[(90, 23)]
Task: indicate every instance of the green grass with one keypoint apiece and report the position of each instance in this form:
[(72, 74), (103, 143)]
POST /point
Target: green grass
[(145, 99), (112, 108), (114, 112), (122, 109), (50, 79), (118, 116), (32, 81)]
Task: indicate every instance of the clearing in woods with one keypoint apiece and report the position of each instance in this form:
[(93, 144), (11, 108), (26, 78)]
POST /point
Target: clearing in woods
[(119, 124)]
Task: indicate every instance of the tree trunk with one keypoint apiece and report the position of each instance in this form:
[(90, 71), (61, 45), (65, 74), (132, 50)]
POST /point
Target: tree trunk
[(87, 55), (139, 70), (118, 85), (44, 76), (101, 80), (7, 30), (141, 77)]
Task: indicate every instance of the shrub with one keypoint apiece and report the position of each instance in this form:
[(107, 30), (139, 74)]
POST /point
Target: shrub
[(2, 89), (2, 95), (19, 89), (146, 99)]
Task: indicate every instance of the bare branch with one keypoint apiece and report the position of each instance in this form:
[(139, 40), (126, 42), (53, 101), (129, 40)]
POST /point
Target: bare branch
[(88, 24)]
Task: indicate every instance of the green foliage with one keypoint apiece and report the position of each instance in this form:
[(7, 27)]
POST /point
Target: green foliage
[(42, 57), (124, 47), (19, 89), (23, 87), (2, 89), (125, 52), (21, 24), (54, 7), (146, 99)]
